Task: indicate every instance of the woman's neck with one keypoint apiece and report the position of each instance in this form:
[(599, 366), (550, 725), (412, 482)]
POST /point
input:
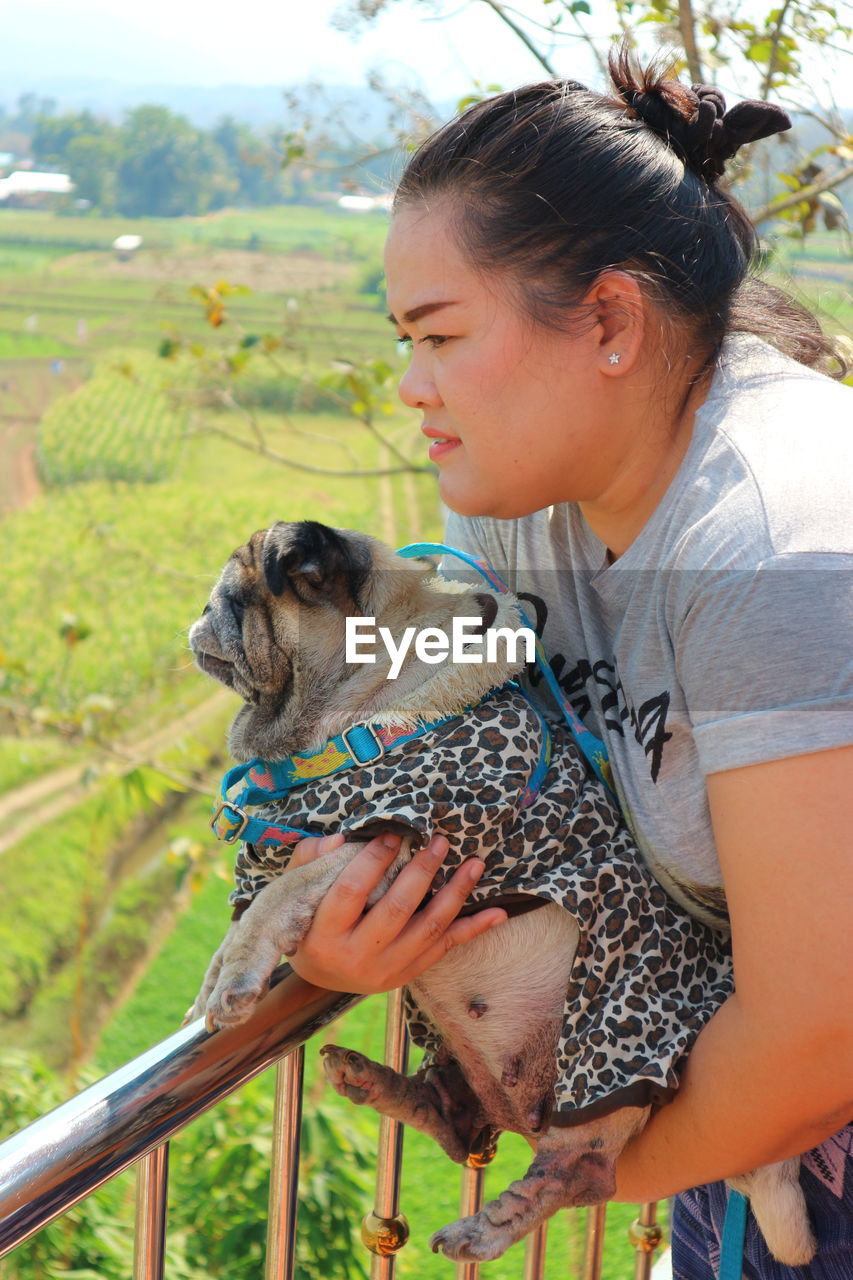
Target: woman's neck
[(618, 515)]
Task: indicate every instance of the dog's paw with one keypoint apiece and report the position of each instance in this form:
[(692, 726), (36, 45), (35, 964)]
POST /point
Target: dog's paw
[(196, 1010), (352, 1075), (473, 1239), (233, 999)]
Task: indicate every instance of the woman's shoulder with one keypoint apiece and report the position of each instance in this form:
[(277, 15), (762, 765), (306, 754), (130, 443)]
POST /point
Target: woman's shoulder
[(771, 471)]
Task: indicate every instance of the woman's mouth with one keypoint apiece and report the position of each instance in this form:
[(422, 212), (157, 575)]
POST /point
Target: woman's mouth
[(441, 445)]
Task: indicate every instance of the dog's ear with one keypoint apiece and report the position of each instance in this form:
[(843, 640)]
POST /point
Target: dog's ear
[(318, 564), (489, 606)]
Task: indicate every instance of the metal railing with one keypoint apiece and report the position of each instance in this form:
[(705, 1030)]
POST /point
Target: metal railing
[(128, 1118)]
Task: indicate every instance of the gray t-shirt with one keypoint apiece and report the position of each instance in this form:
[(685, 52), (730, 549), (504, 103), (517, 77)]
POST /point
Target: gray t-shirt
[(722, 637)]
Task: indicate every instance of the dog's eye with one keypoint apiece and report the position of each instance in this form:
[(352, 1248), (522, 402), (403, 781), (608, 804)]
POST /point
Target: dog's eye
[(238, 609)]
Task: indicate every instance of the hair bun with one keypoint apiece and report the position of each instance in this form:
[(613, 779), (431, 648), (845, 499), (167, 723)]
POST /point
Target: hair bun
[(709, 135)]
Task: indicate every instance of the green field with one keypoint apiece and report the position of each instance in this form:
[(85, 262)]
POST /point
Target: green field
[(131, 479)]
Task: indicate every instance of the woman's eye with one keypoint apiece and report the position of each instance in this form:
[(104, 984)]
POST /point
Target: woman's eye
[(434, 340), (404, 344)]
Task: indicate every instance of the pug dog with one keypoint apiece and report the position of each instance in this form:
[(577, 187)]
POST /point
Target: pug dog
[(567, 1022)]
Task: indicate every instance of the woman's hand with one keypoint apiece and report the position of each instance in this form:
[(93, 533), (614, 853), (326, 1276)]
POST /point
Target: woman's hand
[(349, 948)]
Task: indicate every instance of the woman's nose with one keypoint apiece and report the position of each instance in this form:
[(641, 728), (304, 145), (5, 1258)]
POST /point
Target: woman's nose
[(417, 389)]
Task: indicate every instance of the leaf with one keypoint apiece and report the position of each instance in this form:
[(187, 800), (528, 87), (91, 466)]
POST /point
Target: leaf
[(760, 51)]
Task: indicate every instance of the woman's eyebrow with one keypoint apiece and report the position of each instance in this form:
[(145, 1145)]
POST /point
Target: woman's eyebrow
[(418, 313)]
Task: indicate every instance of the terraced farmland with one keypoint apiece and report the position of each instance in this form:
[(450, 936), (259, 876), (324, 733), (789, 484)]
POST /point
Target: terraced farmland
[(121, 425)]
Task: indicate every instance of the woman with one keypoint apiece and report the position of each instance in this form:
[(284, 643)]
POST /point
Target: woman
[(670, 491)]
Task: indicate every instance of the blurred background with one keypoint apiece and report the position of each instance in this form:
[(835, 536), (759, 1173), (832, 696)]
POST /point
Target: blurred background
[(193, 344)]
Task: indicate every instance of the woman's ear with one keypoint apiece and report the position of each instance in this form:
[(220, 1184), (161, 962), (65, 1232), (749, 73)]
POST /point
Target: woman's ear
[(617, 302)]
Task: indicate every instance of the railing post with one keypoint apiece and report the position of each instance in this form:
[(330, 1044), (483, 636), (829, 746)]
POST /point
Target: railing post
[(645, 1235), (594, 1247), (534, 1253), (470, 1202), (473, 1183), (385, 1230), (284, 1167), (149, 1241)]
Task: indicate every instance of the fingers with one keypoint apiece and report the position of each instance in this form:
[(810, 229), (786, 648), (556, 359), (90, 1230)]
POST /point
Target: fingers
[(438, 928), (412, 940), (402, 898), (346, 901), (314, 847)]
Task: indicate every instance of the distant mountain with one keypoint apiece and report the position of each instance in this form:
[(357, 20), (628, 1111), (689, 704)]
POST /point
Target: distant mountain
[(261, 106)]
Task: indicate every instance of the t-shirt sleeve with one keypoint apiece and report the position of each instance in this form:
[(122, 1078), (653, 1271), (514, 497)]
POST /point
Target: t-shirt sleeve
[(764, 657)]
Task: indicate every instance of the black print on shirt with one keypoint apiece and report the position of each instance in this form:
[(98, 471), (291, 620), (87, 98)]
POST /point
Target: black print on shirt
[(647, 722)]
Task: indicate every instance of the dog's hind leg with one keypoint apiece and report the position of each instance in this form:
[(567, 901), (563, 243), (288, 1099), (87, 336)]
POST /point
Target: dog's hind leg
[(573, 1166), (779, 1207), (436, 1100)]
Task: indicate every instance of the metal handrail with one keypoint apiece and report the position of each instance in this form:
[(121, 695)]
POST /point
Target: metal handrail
[(129, 1116), (60, 1158)]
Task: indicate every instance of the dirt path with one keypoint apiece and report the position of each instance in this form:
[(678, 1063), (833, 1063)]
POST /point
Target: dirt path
[(37, 803), (19, 482)]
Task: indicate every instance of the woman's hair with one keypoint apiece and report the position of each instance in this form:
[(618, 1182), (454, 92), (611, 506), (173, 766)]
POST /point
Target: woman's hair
[(555, 184)]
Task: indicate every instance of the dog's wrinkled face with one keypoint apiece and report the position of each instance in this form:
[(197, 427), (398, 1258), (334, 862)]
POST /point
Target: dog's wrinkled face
[(274, 630), (249, 633), (276, 617)]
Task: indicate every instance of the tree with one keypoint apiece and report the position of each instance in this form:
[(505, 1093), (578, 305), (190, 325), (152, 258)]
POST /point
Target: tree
[(52, 135), (168, 168), (758, 54), (254, 162), (91, 160)]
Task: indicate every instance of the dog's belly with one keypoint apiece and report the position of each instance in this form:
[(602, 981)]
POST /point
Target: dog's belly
[(498, 1005)]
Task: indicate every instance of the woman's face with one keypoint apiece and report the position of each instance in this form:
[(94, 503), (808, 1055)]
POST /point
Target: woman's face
[(514, 411)]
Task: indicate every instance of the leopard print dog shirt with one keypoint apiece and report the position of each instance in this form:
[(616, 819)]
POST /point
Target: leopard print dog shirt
[(646, 977)]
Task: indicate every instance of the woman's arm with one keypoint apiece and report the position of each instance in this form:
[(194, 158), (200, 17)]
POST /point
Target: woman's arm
[(772, 1073), (349, 948)]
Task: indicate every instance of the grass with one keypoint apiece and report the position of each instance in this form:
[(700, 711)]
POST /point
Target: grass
[(130, 566), (328, 232)]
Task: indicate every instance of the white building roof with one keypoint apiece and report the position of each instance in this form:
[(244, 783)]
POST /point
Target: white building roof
[(31, 182)]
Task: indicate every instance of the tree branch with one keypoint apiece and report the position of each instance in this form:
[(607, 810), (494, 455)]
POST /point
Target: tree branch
[(687, 28), (767, 81), (266, 452), (523, 37), (827, 183)]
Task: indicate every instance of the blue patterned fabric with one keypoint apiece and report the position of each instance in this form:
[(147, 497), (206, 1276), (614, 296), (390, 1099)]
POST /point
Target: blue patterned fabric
[(827, 1180)]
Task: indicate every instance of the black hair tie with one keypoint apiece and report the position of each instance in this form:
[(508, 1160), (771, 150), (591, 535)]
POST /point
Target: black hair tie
[(711, 135)]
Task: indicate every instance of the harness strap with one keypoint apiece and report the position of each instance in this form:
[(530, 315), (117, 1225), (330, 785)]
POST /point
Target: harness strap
[(258, 782), (592, 747), (734, 1235)]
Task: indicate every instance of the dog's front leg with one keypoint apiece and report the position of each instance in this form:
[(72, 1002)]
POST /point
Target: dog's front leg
[(573, 1166), (198, 1006), (272, 926)]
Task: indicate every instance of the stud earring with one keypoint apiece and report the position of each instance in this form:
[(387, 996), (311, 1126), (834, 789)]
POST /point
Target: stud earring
[(614, 357)]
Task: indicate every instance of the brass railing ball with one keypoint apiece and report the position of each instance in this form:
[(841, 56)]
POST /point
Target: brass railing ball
[(645, 1239), (384, 1236)]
